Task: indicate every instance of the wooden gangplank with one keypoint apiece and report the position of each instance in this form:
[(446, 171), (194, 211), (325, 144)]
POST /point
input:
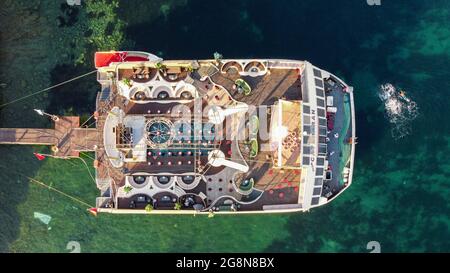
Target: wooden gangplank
[(28, 136), (67, 138)]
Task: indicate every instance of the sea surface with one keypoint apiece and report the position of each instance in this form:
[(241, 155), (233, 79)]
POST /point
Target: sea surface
[(401, 188)]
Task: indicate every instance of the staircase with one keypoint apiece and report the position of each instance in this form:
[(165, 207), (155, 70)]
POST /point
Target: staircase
[(207, 71), (103, 184), (179, 191), (106, 91), (189, 80), (101, 202)]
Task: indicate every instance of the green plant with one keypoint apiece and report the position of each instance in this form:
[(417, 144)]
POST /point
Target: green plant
[(102, 27), (160, 66), (244, 86), (127, 81), (254, 126), (148, 208), (105, 25), (177, 206), (189, 68), (217, 57), (127, 189), (253, 148)]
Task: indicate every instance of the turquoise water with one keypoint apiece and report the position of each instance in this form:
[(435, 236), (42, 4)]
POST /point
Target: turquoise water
[(400, 192)]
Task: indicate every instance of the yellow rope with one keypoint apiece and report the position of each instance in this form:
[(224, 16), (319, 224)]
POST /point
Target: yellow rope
[(58, 191), (73, 198), (87, 168), (86, 121)]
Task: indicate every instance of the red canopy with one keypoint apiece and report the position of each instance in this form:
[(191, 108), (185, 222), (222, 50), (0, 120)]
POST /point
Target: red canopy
[(105, 58)]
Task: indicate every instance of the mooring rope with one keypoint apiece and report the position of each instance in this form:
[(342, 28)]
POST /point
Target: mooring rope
[(73, 198), (47, 89)]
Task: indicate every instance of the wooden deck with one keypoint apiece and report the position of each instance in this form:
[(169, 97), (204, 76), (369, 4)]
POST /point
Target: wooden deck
[(280, 83), (266, 90), (66, 136)]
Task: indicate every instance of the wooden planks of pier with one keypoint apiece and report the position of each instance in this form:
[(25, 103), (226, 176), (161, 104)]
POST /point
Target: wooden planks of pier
[(67, 137), (27, 136)]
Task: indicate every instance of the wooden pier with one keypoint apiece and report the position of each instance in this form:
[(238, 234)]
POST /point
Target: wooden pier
[(67, 138)]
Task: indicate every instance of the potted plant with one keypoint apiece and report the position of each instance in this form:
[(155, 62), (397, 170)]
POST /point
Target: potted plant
[(210, 214), (253, 126), (127, 189), (148, 208), (253, 147), (217, 57), (243, 87), (127, 82), (161, 67)]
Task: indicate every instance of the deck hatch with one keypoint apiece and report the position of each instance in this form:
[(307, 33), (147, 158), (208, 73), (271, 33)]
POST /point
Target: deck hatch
[(315, 201), (319, 171), (318, 181), (319, 83), (306, 160), (321, 112), (308, 140), (306, 109), (320, 102), (322, 139), (317, 191), (322, 149), (307, 150), (322, 131), (320, 161), (317, 73), (307, 129), (322, 122), (306, 119), (320, 93)]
